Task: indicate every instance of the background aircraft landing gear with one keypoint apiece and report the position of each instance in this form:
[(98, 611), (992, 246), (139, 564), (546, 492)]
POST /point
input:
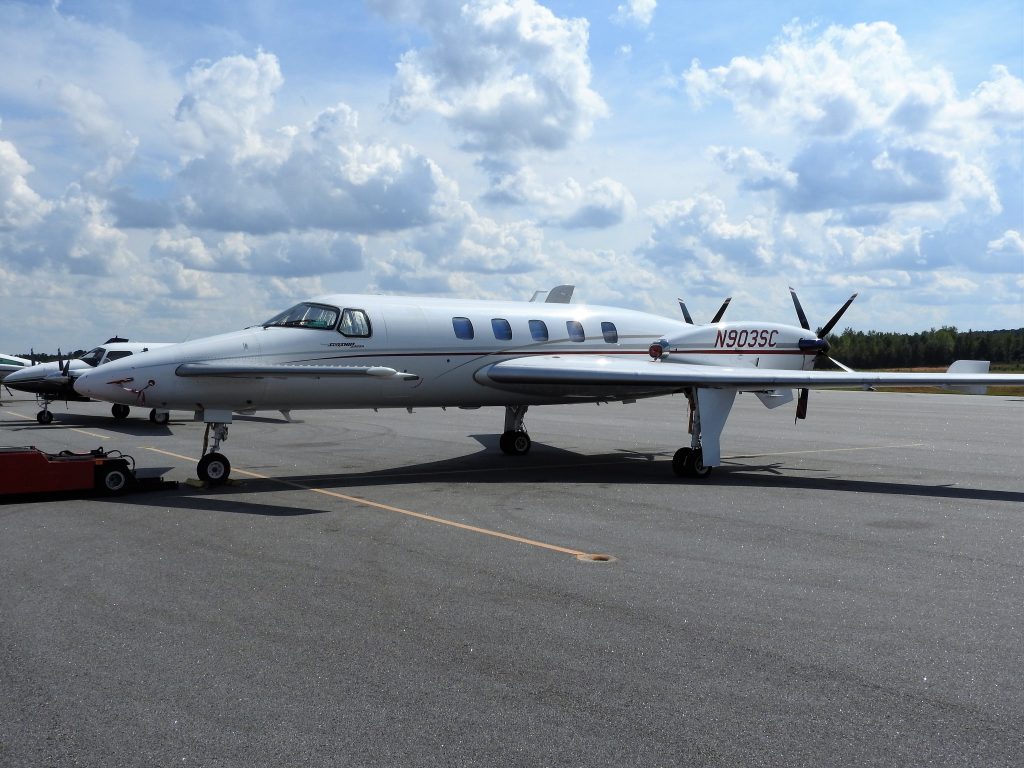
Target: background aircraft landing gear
[(159, 417), (514, 440), (689, 462), (120, 411), (44, 416)]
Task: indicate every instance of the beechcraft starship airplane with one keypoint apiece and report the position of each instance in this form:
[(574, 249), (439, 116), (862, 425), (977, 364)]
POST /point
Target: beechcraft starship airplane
[(52, 381), (357, 351)]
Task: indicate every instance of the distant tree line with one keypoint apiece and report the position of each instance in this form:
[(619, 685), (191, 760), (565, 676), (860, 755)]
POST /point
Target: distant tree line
[(937, 347)]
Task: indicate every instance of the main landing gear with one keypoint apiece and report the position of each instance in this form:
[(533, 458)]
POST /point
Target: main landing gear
[(120, 411), (514, 440), (214, 467), (688, 461)]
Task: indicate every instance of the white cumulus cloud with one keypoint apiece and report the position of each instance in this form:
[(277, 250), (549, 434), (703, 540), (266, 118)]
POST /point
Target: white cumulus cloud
[(507, 76)]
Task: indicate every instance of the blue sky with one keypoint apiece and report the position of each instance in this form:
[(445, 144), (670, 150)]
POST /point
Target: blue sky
[(169, 170)]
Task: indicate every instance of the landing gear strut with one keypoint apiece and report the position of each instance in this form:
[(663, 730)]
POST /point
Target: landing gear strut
[(214, 467), (44, 416), (514, 440), (688, 462)]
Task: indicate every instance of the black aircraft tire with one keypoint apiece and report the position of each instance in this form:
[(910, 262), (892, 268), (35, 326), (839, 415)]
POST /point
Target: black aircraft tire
[(214, 468), (44, 417), (159, 417), (697, 468), (681, 462), (120, 411), (515, 443)]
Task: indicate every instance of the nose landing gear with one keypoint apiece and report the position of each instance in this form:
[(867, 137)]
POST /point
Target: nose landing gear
[(214, 467)]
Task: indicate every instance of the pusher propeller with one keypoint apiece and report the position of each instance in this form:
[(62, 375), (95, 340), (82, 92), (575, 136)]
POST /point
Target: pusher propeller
[(819, 344)]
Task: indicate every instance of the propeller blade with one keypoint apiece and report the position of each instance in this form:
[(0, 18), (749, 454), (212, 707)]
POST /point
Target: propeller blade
[(686, 313), (799, 311), (838, 364), (835, 318), (801, 404), (721, 311)]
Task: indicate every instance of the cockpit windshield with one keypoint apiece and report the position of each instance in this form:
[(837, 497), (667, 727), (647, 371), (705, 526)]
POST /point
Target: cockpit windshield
[(306, 315), (93, 356)]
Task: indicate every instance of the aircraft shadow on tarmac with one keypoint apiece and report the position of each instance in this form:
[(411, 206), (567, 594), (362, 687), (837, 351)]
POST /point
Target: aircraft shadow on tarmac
[(545, 464), (63, 420), (133, 425)]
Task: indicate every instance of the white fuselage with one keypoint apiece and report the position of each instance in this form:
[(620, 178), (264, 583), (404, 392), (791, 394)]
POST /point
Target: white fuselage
[(418, 336)]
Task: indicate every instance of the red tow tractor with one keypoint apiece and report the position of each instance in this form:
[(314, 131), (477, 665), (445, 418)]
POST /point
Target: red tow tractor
[(30, 470)]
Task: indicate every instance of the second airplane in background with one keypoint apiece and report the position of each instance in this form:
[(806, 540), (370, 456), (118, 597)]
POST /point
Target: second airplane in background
[(52, 381)]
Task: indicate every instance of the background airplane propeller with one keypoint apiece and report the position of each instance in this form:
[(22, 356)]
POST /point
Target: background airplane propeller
[(819, 344)]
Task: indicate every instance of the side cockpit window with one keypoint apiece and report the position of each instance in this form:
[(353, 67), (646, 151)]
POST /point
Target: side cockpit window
[(354, 322), (463, 327), (117, 355)]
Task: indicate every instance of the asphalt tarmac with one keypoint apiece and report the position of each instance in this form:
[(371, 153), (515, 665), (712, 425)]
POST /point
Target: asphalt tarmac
[(388, 589)]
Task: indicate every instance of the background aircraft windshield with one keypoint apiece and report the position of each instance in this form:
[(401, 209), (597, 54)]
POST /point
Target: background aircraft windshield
[(93, 356), (306, 315)]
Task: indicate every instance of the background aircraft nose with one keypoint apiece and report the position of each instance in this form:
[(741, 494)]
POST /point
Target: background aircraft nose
[(88, 384)]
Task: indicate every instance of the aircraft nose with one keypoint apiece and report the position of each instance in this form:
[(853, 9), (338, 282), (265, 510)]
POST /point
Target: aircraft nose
[(97, 385), (18, 379)]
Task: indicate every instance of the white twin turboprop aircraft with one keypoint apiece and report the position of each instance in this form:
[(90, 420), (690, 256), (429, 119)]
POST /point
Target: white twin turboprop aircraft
[(53, 381), (357, 351)]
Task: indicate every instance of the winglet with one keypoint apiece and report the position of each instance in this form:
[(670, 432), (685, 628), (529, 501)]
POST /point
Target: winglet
[(970, 366)]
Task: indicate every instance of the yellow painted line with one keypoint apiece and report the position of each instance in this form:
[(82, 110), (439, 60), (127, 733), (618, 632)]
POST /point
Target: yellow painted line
[(73, 429), (487, 531), (826, 450), (91, 434), (398, 510)]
